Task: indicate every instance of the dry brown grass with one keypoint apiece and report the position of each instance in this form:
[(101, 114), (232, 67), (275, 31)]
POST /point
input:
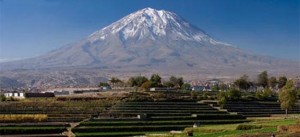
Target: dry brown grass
[(23, 117)]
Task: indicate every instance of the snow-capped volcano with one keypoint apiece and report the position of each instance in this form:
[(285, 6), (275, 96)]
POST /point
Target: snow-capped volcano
[(151, 40), (153, 24)]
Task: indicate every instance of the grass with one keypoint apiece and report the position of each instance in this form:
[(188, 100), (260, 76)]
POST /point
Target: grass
[(109, 134), (106, 134), (234, 133), (269, 126)]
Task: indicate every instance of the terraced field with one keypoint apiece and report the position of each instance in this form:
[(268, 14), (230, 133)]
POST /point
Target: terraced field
[(33, 129), (57, 111), (119, 117), (46, 118), (122, 119), (258, 108)]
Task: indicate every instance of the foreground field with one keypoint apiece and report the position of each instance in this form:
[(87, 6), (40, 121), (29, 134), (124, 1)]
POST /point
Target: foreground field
[(122, 120), (262, 127), (143, 113)]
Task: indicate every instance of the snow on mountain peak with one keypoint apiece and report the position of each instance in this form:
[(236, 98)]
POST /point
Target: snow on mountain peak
[(153, 24)]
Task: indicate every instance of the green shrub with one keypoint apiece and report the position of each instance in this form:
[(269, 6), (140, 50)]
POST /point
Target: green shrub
[(222, 98), (248, 127), (234, 94), (2, 97)]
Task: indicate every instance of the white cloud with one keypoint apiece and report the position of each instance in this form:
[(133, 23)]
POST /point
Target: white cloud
[(8, 59)]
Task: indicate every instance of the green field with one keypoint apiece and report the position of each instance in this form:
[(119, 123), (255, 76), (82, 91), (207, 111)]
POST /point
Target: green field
[(117, 115), (268, 127)]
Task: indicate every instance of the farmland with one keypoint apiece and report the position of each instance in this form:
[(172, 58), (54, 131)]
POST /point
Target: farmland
[(138, 113)]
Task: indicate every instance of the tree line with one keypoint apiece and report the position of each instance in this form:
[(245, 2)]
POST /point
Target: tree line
[(286, 91), (144, 83)]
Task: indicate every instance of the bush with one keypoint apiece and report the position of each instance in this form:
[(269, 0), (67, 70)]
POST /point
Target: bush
[(248, 127), (146, 86), (193, 95), (2, 97), (222, 98), (234, 94)]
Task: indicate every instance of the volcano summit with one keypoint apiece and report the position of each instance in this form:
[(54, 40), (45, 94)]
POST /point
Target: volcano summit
[(151, 40)]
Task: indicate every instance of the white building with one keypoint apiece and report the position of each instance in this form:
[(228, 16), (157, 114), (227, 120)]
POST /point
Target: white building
[(14, 94)]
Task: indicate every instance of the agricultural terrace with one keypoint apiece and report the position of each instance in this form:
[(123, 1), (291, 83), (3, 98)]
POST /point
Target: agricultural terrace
[(140, 113)]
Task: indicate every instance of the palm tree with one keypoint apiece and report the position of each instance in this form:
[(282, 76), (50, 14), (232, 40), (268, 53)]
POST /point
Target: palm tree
[(114, 80)]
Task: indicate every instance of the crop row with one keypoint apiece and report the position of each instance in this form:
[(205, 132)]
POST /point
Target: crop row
[(31, 130), (140, 123), (129, 128), (203, 117), (163, 103), (200, 117), (161, 113), (276, 112), (160, 108), (65, 119), (57, 104), (43, 124), (251, 105), (50, 108), (49, 112), (109, 134), (259, 110), (165, 111)]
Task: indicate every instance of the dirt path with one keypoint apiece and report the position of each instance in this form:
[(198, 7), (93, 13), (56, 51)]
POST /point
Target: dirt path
[(69, 132)]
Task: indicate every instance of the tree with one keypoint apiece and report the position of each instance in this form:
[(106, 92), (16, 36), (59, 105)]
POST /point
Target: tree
[(114, 80), (103, 84), (168, 84), (173, 80), (146, 86), (186, 86), (272, 82), (264, 94), (282, 81), (234, 94), (242, 82), (155, 80), (180, 82), (262, 79), (288, 96), (177, 82), (223, 87), (222, 98), (2, 97), (215, 87), (137, 81)]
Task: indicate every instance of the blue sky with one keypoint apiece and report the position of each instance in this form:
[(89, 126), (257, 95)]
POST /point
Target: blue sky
[(30, 28)]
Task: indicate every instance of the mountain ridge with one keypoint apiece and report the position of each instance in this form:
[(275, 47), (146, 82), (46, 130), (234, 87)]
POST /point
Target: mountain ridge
[(154, 41)]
